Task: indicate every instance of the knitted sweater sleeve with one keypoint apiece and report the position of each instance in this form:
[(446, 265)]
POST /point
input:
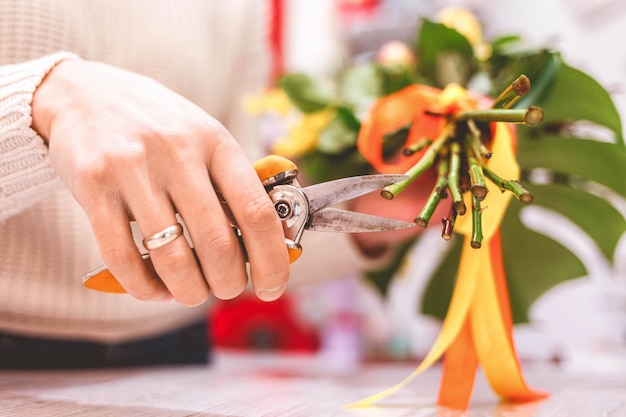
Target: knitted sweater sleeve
[(26, 175)]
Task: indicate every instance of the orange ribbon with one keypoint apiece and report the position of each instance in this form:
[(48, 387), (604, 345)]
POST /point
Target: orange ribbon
[(477, 329), (410, 105)]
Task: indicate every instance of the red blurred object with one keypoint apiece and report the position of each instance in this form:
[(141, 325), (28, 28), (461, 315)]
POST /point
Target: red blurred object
[(358, 10), (248, 323), (361, 5), (276, 38)]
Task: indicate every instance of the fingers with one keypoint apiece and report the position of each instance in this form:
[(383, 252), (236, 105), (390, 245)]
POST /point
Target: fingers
[(111, 229), (124, 144), (218, 265), (217, 247), (257, 219), (174, 261)]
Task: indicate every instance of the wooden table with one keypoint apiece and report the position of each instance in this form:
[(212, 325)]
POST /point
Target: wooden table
[(267, 386)]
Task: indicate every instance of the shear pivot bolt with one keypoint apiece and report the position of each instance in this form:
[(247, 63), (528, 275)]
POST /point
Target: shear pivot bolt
[(283, 209)]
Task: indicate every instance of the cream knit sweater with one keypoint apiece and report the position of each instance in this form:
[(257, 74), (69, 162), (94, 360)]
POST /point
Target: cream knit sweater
[(212, 52)]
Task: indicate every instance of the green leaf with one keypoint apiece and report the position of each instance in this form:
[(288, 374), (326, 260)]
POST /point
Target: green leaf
[(574, 95), (445, 55), (381, 278), (539, 66), (542, 75), (360, 85), (533, 263), (396, 78), (306, 93), (601, 162), (596, 216), (395, 141), (340, 135), (436, 297), (500, 44), (320, 167)]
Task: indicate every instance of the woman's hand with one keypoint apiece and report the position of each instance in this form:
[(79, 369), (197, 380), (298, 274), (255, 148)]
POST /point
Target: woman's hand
[(127, 147)]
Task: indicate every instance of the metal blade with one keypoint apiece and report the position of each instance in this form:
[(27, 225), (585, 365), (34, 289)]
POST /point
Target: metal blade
[(336, 220), (332, 192)]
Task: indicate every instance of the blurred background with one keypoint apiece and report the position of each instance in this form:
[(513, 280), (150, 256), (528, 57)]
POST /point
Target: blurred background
[(580, 323)]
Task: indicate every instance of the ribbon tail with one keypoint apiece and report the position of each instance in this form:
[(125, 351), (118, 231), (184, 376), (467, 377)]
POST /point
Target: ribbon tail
[(492, 329), (459, 371), (458, 310)]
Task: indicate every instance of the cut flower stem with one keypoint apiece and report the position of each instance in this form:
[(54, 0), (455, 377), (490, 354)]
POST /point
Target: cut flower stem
[(475, 138), (448, 224), (516, 90), (390, 191), (530, 116), (461, 156), (454, 180), (477, 226), (477, 180), (513, 186), (436, 195)]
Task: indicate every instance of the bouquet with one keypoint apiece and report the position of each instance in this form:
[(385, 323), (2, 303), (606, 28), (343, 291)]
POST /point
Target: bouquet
[(501, 125)]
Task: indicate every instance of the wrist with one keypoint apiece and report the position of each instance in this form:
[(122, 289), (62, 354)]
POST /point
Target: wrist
[(48, 97)]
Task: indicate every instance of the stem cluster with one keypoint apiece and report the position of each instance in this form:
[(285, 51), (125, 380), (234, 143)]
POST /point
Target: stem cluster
[(460, 154)]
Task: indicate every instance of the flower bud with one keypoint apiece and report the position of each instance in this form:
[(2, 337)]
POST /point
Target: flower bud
[(396, 53)]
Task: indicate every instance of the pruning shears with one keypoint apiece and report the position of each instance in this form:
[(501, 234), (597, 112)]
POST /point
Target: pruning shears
[(299, 209)]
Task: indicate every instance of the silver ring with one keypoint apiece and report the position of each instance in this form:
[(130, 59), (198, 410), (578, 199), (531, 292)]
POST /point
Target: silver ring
[(162, 238)]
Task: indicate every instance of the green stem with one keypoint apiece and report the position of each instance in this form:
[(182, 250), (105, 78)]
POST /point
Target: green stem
[(530, 116), (425, 162), (476, 139), (416, 147), (516, 90), (477, 227), (448, 223), (436, 195), (513, 186), (454, 182), (477, 180)]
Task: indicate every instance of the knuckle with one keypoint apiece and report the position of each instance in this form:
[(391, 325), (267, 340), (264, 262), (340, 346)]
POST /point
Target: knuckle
[(115, 255), (131, 158), (223, 245), (182, 277), (259, 213), (87, 173), (104, 166), (213, 130), (171, 262)]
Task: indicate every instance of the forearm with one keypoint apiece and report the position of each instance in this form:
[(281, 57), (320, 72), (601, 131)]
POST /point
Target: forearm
[(25, 172)]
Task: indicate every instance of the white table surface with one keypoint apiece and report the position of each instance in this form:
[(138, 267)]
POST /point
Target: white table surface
[(266, 385)]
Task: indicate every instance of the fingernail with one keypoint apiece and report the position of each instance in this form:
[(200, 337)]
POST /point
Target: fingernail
[(271, 294)]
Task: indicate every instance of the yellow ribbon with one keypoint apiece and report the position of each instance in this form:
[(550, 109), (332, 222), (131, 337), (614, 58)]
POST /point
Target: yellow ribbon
[(476, 303)]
